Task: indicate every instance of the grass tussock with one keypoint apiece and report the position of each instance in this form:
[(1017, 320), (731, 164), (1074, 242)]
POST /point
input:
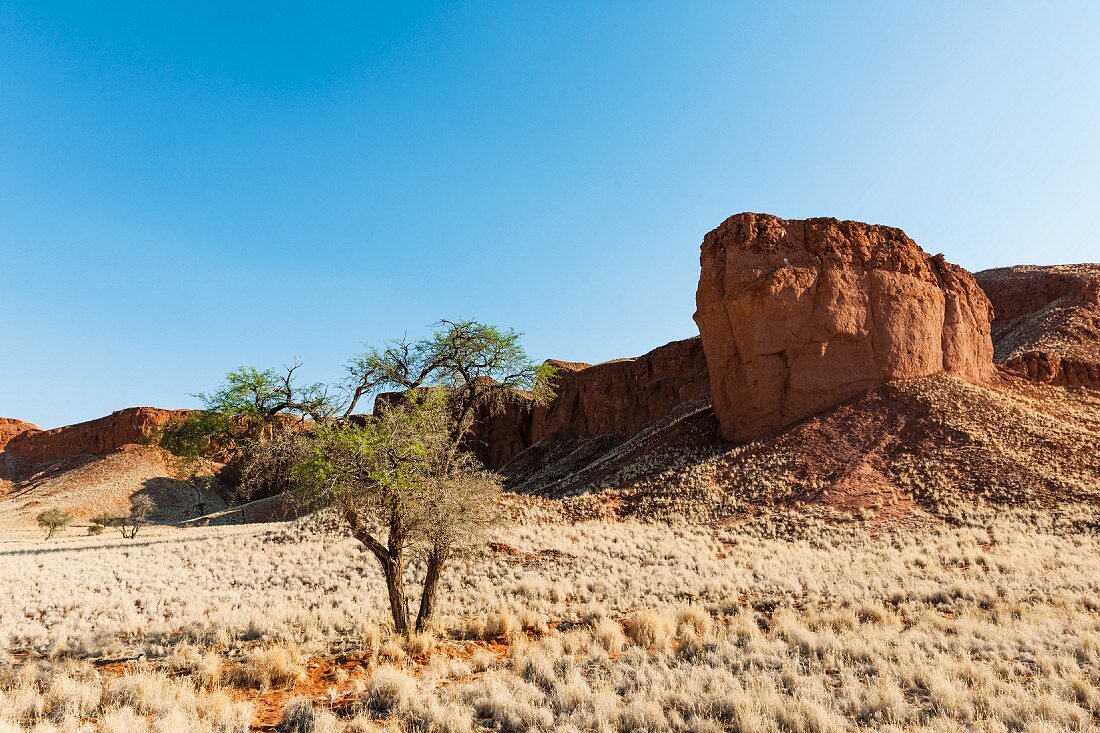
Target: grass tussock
[(271, 667)]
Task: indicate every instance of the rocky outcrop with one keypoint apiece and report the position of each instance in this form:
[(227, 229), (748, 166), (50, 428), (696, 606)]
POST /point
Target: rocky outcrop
[(620, 397), (10, 427), (797, 316), (94, 437), (1047, 324), (499, 436), (616, 398), (611, 401)]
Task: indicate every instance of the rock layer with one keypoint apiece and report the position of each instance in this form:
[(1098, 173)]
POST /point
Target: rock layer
[(800, 315), (1047, 325)]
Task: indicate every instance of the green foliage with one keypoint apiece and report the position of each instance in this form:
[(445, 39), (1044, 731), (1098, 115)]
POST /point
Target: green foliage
[(544, 385), (478, 365), (404, 489), (250, 408), (95, 529), (386, 461), (202, 434), (53, 520), (249, 395)]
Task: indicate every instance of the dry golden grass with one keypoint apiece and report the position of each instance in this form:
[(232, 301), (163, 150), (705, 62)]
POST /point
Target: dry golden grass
[(607, 626)]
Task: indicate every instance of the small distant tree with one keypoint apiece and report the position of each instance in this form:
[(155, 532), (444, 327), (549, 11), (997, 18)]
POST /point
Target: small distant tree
[(405, 491), (53, 521), (141, 506)]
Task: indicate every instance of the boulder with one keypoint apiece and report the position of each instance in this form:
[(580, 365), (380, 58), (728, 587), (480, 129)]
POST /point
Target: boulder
[(94, 437), (800, 315), (1047, 324)]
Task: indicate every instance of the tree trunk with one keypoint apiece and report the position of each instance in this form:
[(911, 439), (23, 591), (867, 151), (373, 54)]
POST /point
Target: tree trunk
[(431, 584), (395, 586)]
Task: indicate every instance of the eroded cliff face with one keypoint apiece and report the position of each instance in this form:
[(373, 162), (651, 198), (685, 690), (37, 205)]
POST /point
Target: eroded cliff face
[(620, 397), (614, 398), (10, 427), (99, 437), (799, 315), (1047, 324)]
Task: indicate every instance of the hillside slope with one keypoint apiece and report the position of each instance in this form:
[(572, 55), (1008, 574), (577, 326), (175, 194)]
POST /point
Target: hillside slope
[(916, 450), (94, 468), (1047, 324)]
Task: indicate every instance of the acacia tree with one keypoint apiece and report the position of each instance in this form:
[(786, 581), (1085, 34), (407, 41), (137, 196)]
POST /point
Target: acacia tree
[(141, 506), (404, 490), (53, 520), (478, 364), (400, 480), (249, 409), (250, 405), (435, 497)]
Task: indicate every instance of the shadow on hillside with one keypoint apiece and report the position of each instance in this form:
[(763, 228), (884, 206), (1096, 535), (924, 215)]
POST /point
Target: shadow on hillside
[(175, 501), (26, 476)]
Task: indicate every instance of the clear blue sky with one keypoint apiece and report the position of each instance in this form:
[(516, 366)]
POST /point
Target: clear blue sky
[(189, 187)]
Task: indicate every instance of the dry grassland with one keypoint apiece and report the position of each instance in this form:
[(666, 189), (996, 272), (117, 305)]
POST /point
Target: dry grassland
[(614, 626)]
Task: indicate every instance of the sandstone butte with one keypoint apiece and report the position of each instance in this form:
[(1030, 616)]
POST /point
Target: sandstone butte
[(1047, 325), (95, 437), (800, 315)]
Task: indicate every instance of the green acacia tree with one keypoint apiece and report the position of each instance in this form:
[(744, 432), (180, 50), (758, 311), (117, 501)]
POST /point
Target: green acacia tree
[(53, 520), (401, 479), (250, 408), (405, 492), (477, 364)]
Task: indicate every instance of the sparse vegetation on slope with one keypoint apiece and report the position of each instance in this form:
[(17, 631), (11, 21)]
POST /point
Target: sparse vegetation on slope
[(926, 450)]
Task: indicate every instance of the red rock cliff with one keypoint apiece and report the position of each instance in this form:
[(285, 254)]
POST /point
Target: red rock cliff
[(1047, 325), (796, 316), (95, 437), (10, 427), (619, 397)]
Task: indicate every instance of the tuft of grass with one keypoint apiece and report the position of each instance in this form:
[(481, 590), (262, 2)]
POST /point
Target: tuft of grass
[(389, 690), (650, 628), (269, 667)]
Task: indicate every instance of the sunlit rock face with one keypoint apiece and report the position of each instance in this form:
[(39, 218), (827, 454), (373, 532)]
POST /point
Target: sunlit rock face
[(799, 315)]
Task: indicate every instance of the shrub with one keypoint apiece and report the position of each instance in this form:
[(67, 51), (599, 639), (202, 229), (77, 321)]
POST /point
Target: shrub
[(609, 635), (389, 689), (298, 716)]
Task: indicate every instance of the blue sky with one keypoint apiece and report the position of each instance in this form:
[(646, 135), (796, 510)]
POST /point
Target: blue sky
[(185, 188)]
